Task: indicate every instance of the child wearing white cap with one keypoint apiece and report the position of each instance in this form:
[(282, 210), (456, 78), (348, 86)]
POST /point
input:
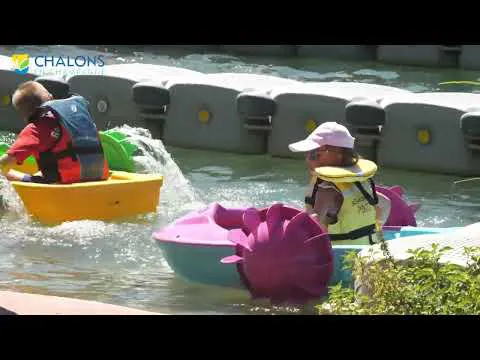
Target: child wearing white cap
[(336, 197)]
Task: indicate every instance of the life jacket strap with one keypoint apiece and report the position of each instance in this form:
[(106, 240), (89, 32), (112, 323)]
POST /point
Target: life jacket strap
[(72, 152), (310, 200), (372, 199), (355, 234)]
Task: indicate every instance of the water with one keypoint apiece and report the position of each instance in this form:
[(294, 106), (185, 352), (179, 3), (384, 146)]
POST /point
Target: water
[(119, 263)]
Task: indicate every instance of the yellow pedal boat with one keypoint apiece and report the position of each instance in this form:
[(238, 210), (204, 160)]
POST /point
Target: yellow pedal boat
[(123, 195)]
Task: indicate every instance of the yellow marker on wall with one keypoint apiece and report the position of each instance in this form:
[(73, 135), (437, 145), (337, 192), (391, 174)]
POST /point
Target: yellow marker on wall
[(423, 136), (310, 125), (5, 100), (204, 116)]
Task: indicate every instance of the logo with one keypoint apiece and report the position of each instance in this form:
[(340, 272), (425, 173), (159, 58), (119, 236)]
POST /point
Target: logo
[(42, 65), (78, 61), (20, 63)]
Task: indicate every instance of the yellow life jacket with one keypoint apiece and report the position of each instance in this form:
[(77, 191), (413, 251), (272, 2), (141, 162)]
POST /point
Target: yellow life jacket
[(356, 219)]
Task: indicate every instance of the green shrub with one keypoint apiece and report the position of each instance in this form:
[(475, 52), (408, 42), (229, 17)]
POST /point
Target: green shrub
[(420, 285)]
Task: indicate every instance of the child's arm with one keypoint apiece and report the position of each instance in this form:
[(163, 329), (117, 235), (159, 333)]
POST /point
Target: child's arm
[(6, 162), (328, 202)]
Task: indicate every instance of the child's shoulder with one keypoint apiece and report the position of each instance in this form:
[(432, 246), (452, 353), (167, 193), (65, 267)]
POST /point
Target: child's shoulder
[(46, 120)]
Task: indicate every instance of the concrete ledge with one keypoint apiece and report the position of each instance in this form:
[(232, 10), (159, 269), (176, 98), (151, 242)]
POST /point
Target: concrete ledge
[(417, 55), (343, 52), (470, 57), (193, 48), (13, 303), (262, 50)]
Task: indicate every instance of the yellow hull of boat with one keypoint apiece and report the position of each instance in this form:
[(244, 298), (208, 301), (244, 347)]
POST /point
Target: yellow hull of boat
[(123, 195)]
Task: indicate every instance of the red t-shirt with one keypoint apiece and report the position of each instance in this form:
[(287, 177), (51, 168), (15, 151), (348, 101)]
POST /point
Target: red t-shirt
[(36, 138)]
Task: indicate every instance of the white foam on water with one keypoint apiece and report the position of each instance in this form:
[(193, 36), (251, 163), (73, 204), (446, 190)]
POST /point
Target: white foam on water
[(84, 243), (177, 193), (10, 200)]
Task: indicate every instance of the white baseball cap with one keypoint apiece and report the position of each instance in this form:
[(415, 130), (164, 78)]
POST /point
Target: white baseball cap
[(329, 133)]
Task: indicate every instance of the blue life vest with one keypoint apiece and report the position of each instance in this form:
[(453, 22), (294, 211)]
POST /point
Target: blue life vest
[(85, 146)]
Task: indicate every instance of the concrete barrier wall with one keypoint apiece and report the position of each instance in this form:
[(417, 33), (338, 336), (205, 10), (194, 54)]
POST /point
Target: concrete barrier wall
[(9, 118), (300, 109), (470, 57), (435, 132), (206, 106), (258, 114), (110, 95)]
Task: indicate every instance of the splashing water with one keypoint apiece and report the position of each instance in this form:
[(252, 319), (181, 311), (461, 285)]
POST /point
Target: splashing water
[(151, 157), (10, 202), (7, 137)]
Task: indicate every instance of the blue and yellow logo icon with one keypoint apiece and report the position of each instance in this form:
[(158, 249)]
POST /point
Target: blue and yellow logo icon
[(20, 63)]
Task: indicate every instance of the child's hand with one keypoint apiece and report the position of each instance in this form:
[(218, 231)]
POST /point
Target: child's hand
[(331, 217)]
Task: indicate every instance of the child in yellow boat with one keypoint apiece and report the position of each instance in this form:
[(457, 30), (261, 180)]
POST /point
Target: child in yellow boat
[(336, 196), (60, 134)]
